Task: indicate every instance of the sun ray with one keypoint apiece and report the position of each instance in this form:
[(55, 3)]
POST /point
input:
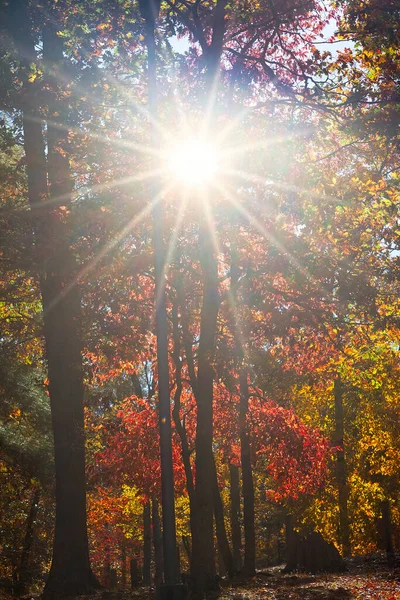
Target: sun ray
[(172, 244), (271, 238), (262, 144), (109, 78), (142, 109), (237, 322), (207, 208), (118, 142), (109, 246), (254, 178), (209, 115), (57, 201), (181, 114)]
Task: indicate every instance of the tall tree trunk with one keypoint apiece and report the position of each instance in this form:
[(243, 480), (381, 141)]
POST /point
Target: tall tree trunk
[(341, 470), (180, 426), (203, 563), (23, 576), (157, 542), (70, 571), (147, 544), (249, 566), (235, 516), (222, 538), (149, 11)]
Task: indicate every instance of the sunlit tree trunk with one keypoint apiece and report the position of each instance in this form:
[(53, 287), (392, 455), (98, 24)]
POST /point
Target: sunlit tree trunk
[(203, 563)]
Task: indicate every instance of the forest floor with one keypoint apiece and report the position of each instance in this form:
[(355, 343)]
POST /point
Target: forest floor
[(358, 583), (362, 581)]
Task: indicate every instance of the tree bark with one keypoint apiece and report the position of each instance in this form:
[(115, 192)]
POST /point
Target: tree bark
[(222, 538), (123, 565), (235, 516), (290, 549), (149, 11), (70, 571), (23, 576), (203, 563), (113, 579), (387, 531), (341, 470), (134, 573), (146, 544), (188, 549), (157, 541), (249, 565), (180, 426)]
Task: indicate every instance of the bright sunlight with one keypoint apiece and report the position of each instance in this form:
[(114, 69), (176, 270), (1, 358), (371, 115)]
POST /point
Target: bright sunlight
[(193, 162)]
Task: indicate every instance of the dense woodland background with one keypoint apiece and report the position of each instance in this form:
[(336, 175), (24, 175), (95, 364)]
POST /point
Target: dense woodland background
[(282, 286)]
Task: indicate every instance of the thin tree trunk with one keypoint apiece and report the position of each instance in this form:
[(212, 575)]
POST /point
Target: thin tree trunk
[(341, 470), (223, 544), (387, 531), (107, 558), (123, 565), (249, 566), (134, 573), (180, 426), (149, 11), (203, 563), (235, 516), (70, 571), (290, 543), (157, 541), (187, 548), (147, 544), (113, 579), (23, 576)]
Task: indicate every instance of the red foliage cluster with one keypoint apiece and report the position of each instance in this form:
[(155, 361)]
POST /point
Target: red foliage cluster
[(296, 454), (132, 454)]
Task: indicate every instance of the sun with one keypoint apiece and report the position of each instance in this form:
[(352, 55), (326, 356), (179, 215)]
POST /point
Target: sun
[(192, 162)]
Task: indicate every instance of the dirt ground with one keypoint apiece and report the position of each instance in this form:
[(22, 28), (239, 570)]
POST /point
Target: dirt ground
[(362, 581), (357, 584)]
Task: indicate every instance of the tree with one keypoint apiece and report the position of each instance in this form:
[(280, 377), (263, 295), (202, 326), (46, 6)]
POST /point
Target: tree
[(70, 571)]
